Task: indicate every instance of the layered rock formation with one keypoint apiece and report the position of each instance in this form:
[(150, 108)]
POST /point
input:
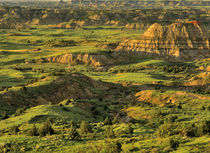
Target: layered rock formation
[(77, 58), (181, 41), (136, 26)]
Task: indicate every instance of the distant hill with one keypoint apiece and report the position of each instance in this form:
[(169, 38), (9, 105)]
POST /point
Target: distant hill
[(111, 4)]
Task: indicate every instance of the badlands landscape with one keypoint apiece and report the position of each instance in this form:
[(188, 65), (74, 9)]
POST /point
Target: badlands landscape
[(104, 76)]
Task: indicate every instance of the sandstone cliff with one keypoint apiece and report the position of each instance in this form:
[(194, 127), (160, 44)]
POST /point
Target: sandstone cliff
[(182, 41)]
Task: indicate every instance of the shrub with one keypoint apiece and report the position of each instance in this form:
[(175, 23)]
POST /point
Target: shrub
[(129, 129), (171, 144), (73, 134), (113, 147), (46, 129), (171, 118), (72, 123), (59, 43), (24, 88), (189, 131), (14, 129), (85, 128), (166, 129), (5, 147), (203, 128), (5, 116), (109, 132), (33, 131), (107, 121), (115, 120), (20, 111)]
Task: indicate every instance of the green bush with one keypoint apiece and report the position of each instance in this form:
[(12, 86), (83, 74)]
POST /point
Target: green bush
[(112, 147), (72, 123), (73, 134), (166, 129), (176, 68), (129, 129), (115, 120), (171, 118), (109, 132), (107, 121), (14, 129), (190, 131), (5, 116), (203, 128), (20, 111), (171, 145), (46, 129), (59, 43), (33, 131), (85, 128)]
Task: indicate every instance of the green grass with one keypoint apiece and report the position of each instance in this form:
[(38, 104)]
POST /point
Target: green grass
[(17, 50), (108, 99), (197, 144), (139, 77), (40, 113), (10, 77), (93, 33)]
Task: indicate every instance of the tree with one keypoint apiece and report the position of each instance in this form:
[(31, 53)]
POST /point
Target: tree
[(85, 128)]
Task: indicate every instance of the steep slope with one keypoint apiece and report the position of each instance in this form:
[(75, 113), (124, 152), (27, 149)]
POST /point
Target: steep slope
[(73, 86), (182, 41)]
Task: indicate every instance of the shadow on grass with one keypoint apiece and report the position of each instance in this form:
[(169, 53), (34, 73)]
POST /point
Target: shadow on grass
[(13, 46), (160, 77), (14, 62), (40, 118)]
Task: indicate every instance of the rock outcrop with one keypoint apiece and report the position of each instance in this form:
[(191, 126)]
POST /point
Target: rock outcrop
[(78, 58), (202, 79), (162, 99), (180, 41), (136, 26)]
